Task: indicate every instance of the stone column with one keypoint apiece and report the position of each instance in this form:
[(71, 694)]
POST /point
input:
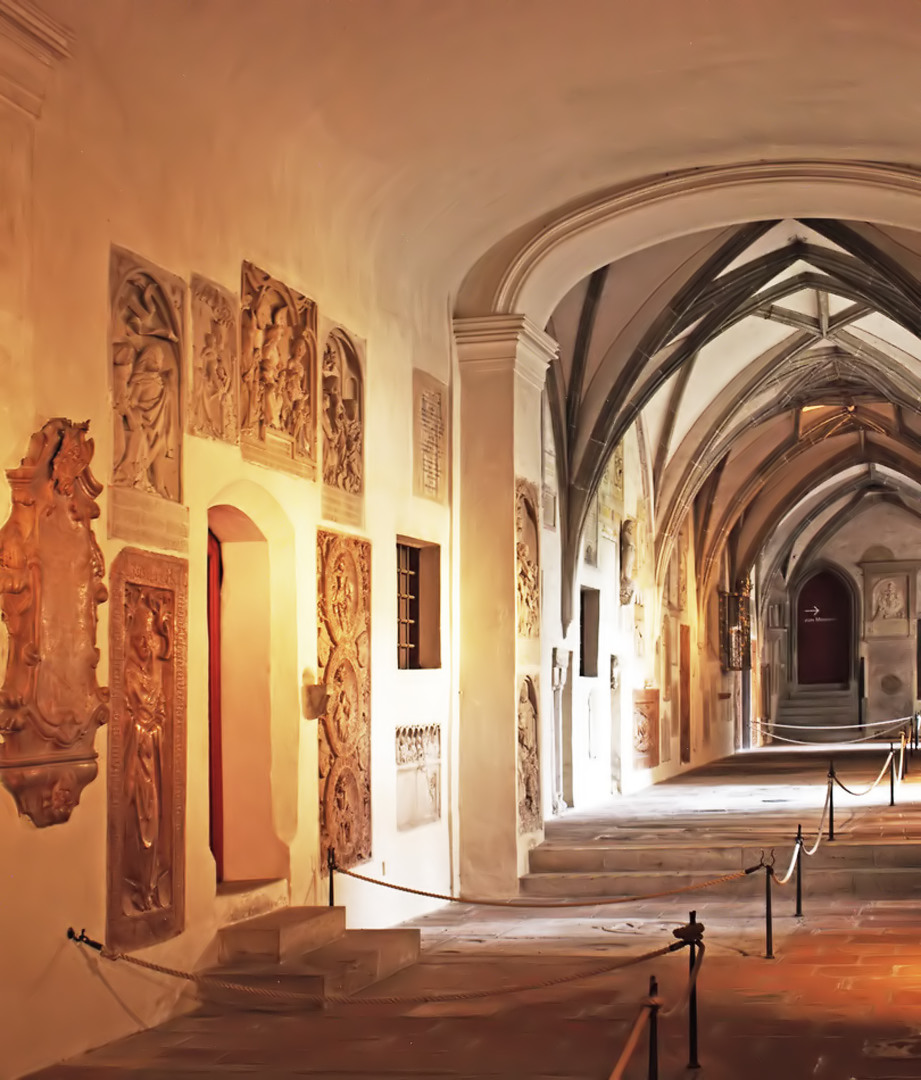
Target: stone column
[(503, 361)]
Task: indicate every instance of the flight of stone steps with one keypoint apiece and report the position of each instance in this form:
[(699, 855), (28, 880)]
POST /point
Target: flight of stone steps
[(305, 951), (815, 709), (862, 870)]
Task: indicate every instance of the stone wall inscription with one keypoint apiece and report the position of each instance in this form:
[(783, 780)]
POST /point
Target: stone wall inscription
[(344, 652), (430, 437), (147, 757)]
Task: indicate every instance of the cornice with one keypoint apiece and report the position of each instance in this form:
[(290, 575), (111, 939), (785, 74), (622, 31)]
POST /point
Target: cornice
[(31, 43), (493, 343)]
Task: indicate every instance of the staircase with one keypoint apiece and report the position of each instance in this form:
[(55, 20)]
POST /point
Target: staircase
[(305, 951), (817, 708), (863, 870)]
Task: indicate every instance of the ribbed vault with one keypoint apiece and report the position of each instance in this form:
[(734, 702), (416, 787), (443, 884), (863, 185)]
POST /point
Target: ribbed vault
[(775, 369)]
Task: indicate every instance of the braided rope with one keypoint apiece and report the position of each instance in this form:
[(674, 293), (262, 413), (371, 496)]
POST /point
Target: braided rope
[(867, 791), (632, 1040), (340, 999), (821, 833), (597, 901)]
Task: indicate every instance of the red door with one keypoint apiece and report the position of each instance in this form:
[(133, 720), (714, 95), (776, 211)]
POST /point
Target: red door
[(823, 629), (216, 811)]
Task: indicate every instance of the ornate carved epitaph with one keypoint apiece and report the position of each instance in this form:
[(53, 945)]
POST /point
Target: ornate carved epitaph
[(344, 648), (52, 579), (147, 335), (147, 737), (627, 560), (278, 371), (529, 815), (527, 547), (215, 361), (645, 729), (418, 752), (342, 417)]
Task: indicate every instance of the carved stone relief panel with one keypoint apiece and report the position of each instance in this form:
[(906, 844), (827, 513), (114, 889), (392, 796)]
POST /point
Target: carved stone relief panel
[(147, 750), (590, 535), (627, 560), (666, 658), (645, 729), (430, 437), (278, 374), (148, 336), (418, 751), (343, 418), (683, 568), (215, 362), (617, 473), (639, 631), (529, 813), (52, 579), (527, 549), (344, 653)]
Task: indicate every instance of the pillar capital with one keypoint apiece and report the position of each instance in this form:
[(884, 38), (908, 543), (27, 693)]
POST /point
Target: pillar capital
[(489, 344), (31, 42)]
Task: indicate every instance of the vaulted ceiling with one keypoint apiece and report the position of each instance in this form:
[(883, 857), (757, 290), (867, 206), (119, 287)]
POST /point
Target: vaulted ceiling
[(776, 370)]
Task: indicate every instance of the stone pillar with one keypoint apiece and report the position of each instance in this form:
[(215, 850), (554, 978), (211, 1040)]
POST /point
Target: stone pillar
[(503, 361)]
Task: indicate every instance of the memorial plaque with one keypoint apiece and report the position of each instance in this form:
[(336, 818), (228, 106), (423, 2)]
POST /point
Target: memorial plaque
[(430, 437)]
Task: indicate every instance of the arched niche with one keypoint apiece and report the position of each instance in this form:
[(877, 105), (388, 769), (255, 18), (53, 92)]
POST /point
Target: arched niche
[(825, 617), (253, 701)]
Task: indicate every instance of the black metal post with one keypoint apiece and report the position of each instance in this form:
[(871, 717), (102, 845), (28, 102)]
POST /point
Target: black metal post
[(331, 866), (892, 777), (905, 748), (693, 1063), (768, 916), (799, 871), (653, 1029), (831, 800)]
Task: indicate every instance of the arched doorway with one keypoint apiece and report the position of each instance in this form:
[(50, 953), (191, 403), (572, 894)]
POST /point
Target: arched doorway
[(823, 631)]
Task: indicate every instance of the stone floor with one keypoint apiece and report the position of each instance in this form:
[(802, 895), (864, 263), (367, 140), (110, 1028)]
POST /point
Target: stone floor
[(841, 1000)]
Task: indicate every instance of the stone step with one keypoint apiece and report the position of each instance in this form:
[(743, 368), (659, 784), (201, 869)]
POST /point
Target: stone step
[(281, 934), (899, 883), (723, 858), (354, 961)]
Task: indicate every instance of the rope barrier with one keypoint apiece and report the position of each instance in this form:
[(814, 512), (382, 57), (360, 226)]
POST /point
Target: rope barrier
[(844, 727), (632, 1040), (682, 1003), (797, 849), (806, 742), (818, 840), (867, 791), (215, 981)]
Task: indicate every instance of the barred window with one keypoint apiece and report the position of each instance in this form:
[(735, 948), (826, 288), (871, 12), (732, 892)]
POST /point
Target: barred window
[(407, 606)]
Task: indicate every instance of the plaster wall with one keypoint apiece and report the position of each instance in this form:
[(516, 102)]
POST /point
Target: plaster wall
[(109, 165)]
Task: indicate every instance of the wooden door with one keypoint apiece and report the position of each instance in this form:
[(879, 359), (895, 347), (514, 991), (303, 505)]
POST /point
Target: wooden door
[(215, 744), (823, 631)]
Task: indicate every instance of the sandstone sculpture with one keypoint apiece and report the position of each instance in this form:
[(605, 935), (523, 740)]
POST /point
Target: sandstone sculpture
[(52, 579), (627, 560), (529, 813), (527, 547), (215, 362), (343, 414)]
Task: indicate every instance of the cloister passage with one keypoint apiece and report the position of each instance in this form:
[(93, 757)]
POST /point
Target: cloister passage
[(839, 999)]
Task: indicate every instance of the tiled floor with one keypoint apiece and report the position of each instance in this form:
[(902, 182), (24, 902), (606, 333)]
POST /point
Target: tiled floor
[(841, 1001)]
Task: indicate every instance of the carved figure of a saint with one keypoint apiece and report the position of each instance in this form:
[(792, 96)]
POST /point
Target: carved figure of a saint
[(215, 404), (143, 398), (146, 704), (889, 601), (528, 780)]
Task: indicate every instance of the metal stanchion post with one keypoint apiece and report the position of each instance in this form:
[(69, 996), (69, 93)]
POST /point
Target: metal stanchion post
[(905, 747), (653, 1029), (331, 866), (693, 1063), (831, 800), (768, 916), (799, 871), (891, 776)]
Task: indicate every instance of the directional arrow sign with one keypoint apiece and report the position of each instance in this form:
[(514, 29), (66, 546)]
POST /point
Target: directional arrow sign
[(812, 611)]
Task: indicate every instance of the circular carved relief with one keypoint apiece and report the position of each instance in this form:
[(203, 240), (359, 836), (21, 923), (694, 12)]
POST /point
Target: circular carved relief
[(341, 590), (891, 684), (343, 804), (342, 721)]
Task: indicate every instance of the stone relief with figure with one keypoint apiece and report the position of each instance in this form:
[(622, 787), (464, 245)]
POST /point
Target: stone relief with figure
[(343, 414), (215, 361), (147, 336), (147, 749), (278, 358), (52, 581), (344, 730), (527, 549), (529, 812)]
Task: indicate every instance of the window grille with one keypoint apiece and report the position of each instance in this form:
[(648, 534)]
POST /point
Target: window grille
[(407, 606)]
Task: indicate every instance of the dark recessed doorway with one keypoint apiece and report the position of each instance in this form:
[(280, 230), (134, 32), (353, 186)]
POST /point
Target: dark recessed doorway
[(823, 630)]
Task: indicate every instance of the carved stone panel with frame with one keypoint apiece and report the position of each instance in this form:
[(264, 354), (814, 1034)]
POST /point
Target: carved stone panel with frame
[(527, 550), (215, 362), (430, 437), (52, 580), (418, 790), (148, 343), (529, 810), (342, 416), (344, 653), (278, 374), (889, 598), (645, 729), (147, 750)]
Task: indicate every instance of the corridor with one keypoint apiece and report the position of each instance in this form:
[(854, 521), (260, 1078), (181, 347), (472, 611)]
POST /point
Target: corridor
[(839, 1001)]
